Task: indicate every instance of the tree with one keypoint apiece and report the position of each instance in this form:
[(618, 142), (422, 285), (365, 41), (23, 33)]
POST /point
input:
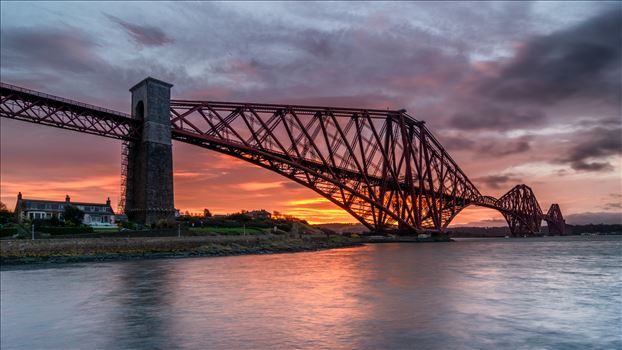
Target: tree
[(3, 207), (73, 214), (206, 213)]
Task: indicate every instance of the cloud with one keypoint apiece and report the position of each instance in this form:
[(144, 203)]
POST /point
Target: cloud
[(260, 186), (597, 143), (498, 181), (616, 204), (310, 201), (143, 35), (490, 116), (583, 60), (66, 50), (504, 148), (594, 218)]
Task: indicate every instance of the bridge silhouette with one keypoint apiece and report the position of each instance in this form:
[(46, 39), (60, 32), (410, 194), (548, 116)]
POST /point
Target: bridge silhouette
[(383, 167)]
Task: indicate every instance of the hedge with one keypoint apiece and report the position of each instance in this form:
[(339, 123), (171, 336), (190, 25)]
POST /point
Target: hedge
[(65, 230)]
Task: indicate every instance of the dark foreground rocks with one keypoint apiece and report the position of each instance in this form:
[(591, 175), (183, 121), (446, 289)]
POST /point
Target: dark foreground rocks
[(14, 252)]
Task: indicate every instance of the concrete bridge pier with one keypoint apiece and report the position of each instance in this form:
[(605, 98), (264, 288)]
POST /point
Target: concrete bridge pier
[(149, 184)]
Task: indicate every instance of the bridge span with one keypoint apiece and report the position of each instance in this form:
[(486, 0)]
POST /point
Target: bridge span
[(383, 167)]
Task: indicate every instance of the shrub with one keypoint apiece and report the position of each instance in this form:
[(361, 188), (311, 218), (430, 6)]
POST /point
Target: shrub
[(130, 225), (73, 214), (8, 231), (6, 217)]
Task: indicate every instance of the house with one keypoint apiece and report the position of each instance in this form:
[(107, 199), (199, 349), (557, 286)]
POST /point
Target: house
[(95, 214)]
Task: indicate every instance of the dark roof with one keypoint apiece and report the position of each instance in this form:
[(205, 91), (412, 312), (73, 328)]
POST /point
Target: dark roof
[(64, 202)]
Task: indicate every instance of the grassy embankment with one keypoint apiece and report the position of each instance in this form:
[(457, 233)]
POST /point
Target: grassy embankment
[(207, 230), (100, 249)]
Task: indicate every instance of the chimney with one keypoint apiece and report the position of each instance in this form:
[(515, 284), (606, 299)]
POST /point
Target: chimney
[(67, 198), (19, 196), (108, 201)]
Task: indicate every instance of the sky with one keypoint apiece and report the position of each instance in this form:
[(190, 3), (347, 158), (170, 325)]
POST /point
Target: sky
[(517, 92)]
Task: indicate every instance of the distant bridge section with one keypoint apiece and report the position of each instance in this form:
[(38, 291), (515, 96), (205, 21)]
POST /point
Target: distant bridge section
[(383, 167)]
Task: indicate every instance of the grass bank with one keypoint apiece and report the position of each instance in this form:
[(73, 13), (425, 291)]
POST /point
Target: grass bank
[(104, 249)]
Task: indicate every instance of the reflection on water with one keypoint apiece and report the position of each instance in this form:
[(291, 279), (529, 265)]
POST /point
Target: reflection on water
[(562, 293)]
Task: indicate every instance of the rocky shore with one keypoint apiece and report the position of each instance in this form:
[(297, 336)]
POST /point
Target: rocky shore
[(14, 252)]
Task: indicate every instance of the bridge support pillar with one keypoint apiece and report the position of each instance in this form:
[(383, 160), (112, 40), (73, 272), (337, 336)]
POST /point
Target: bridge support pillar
[(149, 184)]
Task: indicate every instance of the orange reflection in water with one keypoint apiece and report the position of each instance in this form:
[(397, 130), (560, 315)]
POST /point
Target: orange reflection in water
[(311, 299)]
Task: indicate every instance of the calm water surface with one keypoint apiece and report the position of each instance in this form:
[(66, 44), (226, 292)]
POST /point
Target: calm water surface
[(551, 293)]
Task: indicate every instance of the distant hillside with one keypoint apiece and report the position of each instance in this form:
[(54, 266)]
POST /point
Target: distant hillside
[(482, 231), (343, 227), (503, 231), (479, 231)]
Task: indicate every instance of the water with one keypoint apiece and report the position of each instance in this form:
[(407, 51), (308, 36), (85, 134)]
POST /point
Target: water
[(554, 293)]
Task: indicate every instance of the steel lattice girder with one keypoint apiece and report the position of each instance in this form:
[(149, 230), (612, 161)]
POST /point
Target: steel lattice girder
[(383, 167), (555, 220), (35, 107), (521, 210)]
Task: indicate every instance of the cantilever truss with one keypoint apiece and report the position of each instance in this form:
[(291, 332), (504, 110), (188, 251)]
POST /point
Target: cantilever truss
[(555, 220), (383, 167), (521, 210)]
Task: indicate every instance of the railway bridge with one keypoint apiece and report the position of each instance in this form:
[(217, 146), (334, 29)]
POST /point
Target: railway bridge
[(383, 167)]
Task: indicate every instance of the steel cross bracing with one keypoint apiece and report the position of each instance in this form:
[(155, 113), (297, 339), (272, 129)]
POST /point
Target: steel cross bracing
[(36, 107), (383, 167)]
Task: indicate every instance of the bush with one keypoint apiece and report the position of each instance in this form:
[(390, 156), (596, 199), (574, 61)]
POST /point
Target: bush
[(8, 231), (130, 225), (6, 217), (65, 230), (73, 214)]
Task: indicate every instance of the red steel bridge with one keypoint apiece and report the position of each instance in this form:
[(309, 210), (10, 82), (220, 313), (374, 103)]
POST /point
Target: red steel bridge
[(383, 167)]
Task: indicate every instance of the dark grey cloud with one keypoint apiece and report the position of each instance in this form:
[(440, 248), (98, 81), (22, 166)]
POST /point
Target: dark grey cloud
[(498, 181), (505, 148), (65, 50), (143, 35), (485, 145), (457, 143), (591, 146), (594, 218), (581, 61), (613, 206), (490, 116), (616, 202)]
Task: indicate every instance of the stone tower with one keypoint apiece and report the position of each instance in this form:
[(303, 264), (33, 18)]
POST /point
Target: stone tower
[(149, 185)]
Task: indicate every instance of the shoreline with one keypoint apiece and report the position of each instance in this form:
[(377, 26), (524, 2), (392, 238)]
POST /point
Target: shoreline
[(61, 251)]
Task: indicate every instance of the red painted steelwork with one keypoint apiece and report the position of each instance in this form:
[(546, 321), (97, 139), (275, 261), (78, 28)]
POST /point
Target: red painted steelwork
[(383, 167), (555, 220)]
